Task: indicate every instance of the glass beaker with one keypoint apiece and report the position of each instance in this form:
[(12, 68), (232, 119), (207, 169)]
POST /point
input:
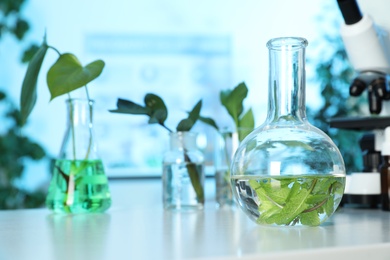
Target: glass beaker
[(183, 173), (79, 183), (288, 172)]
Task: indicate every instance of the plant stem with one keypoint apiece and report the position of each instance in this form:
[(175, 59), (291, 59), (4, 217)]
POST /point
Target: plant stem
[(194, 177), (169, 130), (316, 206), (87, 93), (312, 185), (72, 126), (53, 48)]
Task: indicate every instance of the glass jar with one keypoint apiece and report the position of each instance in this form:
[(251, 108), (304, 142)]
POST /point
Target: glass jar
[(79, 183), (288, 172), (183, 173), (226, 145)]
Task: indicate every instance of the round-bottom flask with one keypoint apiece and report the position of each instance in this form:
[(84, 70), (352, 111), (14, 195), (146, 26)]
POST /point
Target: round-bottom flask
[(287, 172)]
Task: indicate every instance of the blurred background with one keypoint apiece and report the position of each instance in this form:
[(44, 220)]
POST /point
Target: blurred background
[(181, 50)]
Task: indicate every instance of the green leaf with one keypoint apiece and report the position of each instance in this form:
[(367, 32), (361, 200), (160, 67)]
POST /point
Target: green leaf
[(293, 199), (310, 218), (338, 188), (195, 177), (294, 190), (28, 95), (329, 206), (247, 120), (293, 208), (158, 117), (246, 125), (209, 121), (323, 185), (129, 107), (265, 193), (254, 184), (185, 125), (316, 198), (154, 108), (279, 195), (29, 53), (267, 209), (21, 27), (232, 100), (286, 181), (67, 74), (193, 116), (158, 111)]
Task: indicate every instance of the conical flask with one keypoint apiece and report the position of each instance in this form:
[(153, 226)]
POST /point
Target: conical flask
[(79, 183), (287, 172)]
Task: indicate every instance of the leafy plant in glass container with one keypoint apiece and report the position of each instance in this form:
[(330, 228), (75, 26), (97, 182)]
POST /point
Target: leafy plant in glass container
[(228, 140), (78, 184), (191, 163), (233, 101)]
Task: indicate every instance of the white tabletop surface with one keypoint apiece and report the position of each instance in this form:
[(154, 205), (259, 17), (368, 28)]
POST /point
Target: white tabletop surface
[(136, 227)]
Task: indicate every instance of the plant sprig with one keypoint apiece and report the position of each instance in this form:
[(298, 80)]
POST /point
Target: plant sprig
[(233, 101), (64, 76), (155, 108), (157, 112), (293, 201)]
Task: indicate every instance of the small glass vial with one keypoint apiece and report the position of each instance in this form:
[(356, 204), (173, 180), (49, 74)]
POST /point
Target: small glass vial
[(79, 183), (226, 145), (183, 173)]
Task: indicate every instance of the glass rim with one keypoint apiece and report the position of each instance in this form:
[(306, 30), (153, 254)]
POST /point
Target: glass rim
[(69, 100), (182, 133), (290, 43)]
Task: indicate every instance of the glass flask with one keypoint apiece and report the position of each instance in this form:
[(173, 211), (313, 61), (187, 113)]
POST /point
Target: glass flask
[(79, 183), (226, 144), (287, 172), (183, 173)]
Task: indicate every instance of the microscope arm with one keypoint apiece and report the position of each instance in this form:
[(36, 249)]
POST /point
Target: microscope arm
[(367, 48)]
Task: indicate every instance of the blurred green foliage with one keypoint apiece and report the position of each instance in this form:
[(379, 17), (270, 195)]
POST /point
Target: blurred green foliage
[(334, 75), (13, 23), (15, 149)]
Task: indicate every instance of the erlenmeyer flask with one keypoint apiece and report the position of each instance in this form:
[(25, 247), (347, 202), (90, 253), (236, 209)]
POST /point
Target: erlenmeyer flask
[(79, 183)]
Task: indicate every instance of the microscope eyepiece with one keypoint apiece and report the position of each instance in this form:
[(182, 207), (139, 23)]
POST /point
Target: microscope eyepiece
[(350, 11)]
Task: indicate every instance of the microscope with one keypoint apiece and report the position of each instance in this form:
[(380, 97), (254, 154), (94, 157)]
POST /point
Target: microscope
[(368, 49)]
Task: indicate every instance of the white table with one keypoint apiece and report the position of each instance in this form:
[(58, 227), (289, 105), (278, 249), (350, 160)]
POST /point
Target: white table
[(136, 227)]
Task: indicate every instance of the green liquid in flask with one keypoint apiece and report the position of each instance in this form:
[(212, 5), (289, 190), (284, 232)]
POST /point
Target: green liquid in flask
[(78, 186)]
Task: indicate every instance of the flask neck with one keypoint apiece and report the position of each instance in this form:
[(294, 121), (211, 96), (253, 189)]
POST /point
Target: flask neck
[(286, 80), (79, 142), (80, 113)]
